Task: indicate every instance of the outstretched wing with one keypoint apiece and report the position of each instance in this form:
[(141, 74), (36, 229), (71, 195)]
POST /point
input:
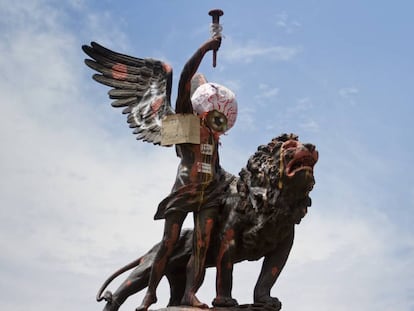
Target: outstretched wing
[(141, 86)]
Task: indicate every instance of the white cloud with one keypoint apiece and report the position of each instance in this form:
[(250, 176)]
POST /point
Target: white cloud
[(302, 105), (246, 119), (78, 4), (349, 94), (70, 189), (100, 27), (350, 252), (267, 92), (310, 125), (297, 116), (348, 91), (234, 85), (236, 52), (283, 21)]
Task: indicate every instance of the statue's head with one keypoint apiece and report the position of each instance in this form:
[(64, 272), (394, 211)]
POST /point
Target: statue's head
[(296, 162), (216, 105), (279, 177)]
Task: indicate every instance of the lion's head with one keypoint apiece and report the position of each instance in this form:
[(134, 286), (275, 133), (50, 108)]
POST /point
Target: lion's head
[(278, 178)]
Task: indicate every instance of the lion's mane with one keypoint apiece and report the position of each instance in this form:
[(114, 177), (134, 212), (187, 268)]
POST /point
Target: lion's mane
[(261, 205)]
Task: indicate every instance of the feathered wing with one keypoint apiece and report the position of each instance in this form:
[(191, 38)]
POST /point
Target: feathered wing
[(141, 86)]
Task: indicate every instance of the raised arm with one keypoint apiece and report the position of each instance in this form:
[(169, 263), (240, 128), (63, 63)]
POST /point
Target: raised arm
[(183, 104)]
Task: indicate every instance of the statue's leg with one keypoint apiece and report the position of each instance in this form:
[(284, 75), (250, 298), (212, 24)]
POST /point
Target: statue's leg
[(172, 228), (203, 226), (224, 266), (273, 264)]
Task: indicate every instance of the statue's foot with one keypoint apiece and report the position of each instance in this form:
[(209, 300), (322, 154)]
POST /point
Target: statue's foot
[(148, 300), (269, 301), (192, 300), (225, 302)]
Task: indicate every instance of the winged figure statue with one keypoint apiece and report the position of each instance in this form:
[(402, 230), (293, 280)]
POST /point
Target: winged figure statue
[(142, 87)]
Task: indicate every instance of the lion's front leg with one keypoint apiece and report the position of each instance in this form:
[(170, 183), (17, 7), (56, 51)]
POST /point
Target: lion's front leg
[(273, 264)]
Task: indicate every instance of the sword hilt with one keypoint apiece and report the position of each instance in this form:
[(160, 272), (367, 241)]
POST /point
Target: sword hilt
[(215, 16)]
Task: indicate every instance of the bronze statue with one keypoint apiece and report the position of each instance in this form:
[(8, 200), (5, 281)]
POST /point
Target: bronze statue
[(234, 218), (257, 219), (143, 86)]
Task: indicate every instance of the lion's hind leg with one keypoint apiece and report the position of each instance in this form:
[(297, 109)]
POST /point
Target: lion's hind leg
[(177, 280)]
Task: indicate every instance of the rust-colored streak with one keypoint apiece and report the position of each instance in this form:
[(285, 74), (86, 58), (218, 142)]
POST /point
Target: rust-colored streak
[(209, 225), (119, 71), (200, 242), (167, 67), (175, 231), (225, 244), (275, 270), (170, 242), (156, 104), (128, 283), (159, 265), (228, 237), (229, 234)]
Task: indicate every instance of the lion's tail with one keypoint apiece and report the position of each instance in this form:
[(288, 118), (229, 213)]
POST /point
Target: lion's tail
[(117, 273), (139, 277)]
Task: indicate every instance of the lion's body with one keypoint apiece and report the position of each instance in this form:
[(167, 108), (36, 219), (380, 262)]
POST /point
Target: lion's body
[(257, 220)]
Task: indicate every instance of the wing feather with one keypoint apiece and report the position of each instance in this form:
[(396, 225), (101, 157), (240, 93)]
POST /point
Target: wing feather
[(141, 86), (119, 93), (113, 82), (124, 102)]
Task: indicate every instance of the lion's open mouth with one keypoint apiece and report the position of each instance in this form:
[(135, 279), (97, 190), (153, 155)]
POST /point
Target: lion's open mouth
[(302, 160)]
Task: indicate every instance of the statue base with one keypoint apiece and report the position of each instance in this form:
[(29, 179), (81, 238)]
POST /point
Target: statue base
[(242, 307)]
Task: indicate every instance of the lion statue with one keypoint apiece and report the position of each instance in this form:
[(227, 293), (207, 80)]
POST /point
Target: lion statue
[(257, 219)]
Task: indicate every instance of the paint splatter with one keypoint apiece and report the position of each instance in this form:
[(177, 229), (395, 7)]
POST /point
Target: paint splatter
[(156, 104), (119, 71)]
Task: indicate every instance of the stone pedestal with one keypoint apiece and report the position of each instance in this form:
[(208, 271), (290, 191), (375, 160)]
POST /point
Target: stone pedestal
[(243, 307)]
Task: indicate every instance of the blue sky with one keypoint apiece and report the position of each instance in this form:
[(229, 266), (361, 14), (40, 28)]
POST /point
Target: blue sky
[(78, 193)]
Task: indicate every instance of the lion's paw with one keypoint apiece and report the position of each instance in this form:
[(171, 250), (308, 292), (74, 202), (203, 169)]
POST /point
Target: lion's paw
[(269, 301), (225, 302)]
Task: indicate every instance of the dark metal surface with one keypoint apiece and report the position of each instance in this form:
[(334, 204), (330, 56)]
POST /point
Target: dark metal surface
[(256, 221), (248, 217)]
